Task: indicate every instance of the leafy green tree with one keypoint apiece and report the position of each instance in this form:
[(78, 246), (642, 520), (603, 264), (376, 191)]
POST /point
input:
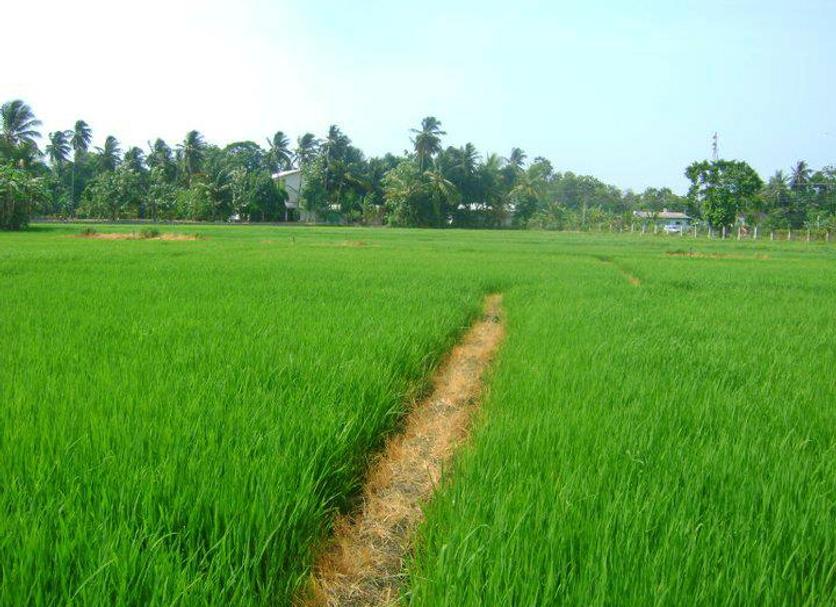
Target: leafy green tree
[(314, 198), (246, 155), (427, 140), (255, 196), (405, 194), (19, 193), (113, 194), (200, 200), (552, 216), (777, 201), (162, 194), (721, 188), (529, 192)]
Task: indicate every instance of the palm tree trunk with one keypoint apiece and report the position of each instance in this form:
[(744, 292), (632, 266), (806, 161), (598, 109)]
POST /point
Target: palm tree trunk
[(72, 191)]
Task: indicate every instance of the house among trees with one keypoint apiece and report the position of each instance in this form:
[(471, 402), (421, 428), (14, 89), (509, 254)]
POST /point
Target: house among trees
[(292, 182), (664, 218)]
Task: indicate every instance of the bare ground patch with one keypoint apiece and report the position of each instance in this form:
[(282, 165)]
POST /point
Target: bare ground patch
[(363, 562), (700, 255), (136, 236)]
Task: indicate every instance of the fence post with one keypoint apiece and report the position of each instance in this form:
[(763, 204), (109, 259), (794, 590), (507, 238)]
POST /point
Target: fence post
[(756, 233), (738, 232), (772, 235), (724, 232), (695, 231), (643, 227), (827, 236), (655, 227), (709, 232), (789, 234), (808, 235)]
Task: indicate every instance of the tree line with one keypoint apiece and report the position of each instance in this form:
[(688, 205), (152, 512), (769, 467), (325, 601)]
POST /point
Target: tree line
[(431, 185)]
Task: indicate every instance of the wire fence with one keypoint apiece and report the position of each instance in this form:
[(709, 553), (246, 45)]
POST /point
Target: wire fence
[(724, 233)]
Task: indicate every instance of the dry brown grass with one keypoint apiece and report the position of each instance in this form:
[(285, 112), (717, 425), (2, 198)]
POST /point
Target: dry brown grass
[(700, 255), (363, 562), (136, 236)]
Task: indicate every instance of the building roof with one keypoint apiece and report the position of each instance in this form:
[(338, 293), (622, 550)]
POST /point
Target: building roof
[(663, 214), (283, 174)]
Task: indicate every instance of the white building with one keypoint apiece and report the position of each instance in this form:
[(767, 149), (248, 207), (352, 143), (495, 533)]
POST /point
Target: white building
[(293, 183), (664, 218)]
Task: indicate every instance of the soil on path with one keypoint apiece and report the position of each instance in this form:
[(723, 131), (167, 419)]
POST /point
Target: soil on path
[(363, 563)]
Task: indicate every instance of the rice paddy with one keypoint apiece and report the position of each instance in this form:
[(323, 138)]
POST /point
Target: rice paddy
[(181, 419)]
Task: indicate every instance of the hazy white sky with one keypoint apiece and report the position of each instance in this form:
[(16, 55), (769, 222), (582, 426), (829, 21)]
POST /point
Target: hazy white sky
[(627, 91)]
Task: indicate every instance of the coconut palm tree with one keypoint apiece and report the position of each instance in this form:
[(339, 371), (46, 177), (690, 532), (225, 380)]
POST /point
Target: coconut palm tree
[(19, 125), (443, 194), (82, 135), (135, 159), (306, 148), (160, 157), (58, 148), (517, 158), (800, 177), (335, 143), (191, 153), (427, 140), (468, 159), (80, 140), (109, 154), (278, 152)]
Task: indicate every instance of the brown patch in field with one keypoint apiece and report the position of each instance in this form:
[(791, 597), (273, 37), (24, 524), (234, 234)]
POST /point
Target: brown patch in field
[(759, 256), (137, 236), (354, 243), (362, 563), (633, 280), (171, 236)]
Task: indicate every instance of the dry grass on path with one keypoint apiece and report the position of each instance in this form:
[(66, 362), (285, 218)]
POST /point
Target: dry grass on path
[(363, 563)]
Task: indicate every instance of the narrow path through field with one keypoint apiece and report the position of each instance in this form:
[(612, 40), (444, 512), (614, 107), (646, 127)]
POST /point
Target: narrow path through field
[(363, 564), (632, 279)]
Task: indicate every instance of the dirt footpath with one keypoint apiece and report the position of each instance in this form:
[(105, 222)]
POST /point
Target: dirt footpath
[(363, 564)]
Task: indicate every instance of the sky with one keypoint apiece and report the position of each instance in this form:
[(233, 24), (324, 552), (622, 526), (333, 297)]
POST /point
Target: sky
[(630, 92)]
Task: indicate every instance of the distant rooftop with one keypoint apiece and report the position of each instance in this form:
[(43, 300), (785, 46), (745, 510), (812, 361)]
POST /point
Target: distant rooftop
[(663, 214)]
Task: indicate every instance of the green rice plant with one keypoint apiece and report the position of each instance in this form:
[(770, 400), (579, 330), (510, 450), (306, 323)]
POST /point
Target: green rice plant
[(180, 423), (672, 443)]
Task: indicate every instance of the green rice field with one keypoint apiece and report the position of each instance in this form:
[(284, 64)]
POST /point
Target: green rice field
[(180, 420)]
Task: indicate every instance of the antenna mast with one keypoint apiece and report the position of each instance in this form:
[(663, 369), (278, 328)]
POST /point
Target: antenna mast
[(715, 146)]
